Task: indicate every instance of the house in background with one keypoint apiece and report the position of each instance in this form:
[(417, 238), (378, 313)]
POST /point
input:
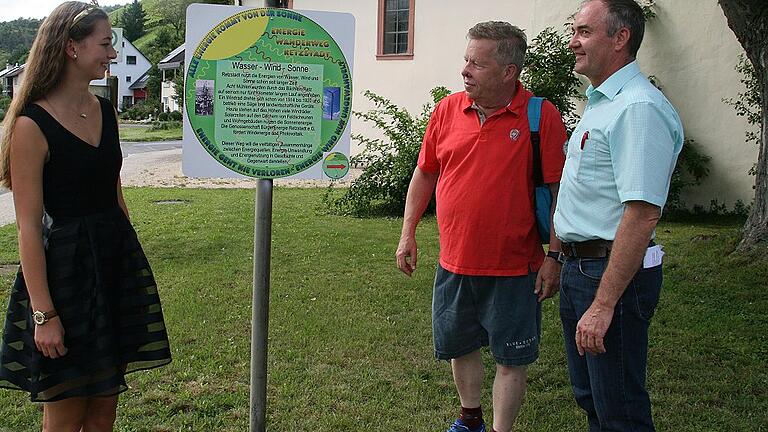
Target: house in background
[(170, 65), (404, 48), (10, 78), (139, 89), (129, 73)]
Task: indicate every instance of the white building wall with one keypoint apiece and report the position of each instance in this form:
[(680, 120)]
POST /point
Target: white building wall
[(168, 92), (688, 47), (17, 82)]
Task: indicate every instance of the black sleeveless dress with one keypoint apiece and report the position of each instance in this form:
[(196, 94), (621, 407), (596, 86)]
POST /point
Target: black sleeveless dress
[(98, 276)]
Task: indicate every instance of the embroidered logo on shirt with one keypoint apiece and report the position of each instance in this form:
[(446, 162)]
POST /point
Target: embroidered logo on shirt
[(514, 134)]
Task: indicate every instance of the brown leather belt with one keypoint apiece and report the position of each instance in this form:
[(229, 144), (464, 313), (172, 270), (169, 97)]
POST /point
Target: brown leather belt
[(588, 249)]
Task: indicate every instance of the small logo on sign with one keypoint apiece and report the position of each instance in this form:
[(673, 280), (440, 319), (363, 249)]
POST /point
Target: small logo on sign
[(514, 134)]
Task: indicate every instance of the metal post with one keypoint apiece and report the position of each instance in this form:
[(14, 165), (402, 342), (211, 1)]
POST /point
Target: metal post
[(112, 84), (262, 241), (262, 252)]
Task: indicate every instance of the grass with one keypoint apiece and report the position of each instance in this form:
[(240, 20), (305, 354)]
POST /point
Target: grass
[(350, 338), (136, 134)]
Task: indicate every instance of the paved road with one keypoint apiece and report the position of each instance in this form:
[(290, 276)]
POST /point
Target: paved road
[(7, 215), (130, 148)]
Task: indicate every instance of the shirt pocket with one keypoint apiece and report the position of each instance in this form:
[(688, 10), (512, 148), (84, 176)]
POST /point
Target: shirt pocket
[(588, 159)]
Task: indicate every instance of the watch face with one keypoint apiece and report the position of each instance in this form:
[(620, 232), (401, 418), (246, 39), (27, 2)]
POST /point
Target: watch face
[(39, 318)]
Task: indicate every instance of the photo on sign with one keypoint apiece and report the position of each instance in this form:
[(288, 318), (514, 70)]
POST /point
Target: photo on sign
[(331, 103), (204, 97)]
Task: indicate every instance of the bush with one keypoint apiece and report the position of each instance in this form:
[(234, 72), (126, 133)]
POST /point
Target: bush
[(691, 168), (5, 102), (165, 125), (389, 163), (169, 116), (142, 110), (749, 103), (548, 73)]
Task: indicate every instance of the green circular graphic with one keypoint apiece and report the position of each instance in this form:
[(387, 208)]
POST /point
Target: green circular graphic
[(268, 92), (336, 165)]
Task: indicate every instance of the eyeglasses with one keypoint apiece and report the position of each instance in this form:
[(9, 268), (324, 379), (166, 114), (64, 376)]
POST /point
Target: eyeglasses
[(85, 12)]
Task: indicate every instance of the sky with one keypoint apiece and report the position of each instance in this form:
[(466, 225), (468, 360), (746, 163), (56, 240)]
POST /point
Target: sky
[(12, 9)]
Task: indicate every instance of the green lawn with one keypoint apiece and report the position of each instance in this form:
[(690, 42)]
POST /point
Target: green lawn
[(350, 339), (135, 134)]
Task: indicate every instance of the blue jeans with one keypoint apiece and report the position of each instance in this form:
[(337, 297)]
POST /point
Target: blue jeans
[(610, 387)]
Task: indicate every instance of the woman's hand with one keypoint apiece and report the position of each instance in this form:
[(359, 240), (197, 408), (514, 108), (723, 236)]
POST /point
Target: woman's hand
[(49, 338)]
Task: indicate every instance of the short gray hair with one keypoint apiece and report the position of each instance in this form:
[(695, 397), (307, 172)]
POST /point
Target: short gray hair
[(512, 42), (625, 13)]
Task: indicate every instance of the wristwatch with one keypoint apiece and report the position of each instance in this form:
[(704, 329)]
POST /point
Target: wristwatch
[(40, 317), (557, 256)]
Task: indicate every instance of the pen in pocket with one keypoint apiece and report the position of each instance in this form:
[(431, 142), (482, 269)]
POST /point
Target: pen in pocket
[(584, 139)]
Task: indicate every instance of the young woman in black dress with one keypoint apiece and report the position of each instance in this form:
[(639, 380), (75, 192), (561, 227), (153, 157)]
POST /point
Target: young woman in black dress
[(84, 309)]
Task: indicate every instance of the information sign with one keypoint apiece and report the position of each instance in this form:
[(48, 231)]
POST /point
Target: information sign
[(268, 92)]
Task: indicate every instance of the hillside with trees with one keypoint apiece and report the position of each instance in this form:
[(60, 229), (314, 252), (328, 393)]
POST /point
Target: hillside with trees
[(15, 39), (155, 27)]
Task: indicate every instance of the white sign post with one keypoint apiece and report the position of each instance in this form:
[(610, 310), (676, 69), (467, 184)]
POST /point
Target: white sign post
[(117, 43)]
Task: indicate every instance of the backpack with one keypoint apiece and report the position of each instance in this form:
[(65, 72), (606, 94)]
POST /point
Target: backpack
[(542, 196)]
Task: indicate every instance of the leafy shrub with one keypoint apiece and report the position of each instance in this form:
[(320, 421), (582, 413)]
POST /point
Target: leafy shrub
[(169, 116), (389, 163), (142, 110), (165, 125), (548, 72), (749, 103), (5, 102), (692, 167)]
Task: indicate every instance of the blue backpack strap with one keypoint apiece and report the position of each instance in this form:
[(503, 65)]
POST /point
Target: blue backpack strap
[(534, 112), (534, 118), (542, 194)]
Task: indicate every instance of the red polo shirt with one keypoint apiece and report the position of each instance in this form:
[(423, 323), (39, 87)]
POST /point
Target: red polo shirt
[(485, 185)]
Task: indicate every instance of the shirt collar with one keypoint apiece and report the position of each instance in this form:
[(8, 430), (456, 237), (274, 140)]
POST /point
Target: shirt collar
[(514, 106), (613, 85)]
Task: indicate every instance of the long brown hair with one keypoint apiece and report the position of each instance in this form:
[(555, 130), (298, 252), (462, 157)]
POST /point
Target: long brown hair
[(45, 65)]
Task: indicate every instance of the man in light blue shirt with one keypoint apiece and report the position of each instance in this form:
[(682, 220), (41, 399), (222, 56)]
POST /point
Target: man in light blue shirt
[(615, 182)]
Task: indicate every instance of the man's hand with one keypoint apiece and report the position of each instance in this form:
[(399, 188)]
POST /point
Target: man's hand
[(629, 246), (548, 279), (49, 338), (419, 193), (591, 329), (406, 255)]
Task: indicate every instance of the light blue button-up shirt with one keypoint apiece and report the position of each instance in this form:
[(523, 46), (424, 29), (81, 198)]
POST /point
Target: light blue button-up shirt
[(624, 149)]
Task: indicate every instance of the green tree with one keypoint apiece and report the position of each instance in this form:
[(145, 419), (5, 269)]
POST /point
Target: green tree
[(164, 42), (548, 72), (178, 87), (132, 20), (389, 163), (748, 19), (748, 103), (17, 35), (174, 12)]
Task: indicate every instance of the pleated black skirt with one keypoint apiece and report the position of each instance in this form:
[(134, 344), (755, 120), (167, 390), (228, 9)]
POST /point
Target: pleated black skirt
[(104, 291)]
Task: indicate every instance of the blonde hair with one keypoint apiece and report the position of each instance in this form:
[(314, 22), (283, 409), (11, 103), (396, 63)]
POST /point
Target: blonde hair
[(45, 66)]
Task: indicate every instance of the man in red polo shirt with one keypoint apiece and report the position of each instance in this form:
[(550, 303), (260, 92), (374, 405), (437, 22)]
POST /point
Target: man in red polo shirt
[(492, 273)]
